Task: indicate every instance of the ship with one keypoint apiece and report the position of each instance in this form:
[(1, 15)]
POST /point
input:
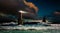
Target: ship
[(19, 9), (10, 8)]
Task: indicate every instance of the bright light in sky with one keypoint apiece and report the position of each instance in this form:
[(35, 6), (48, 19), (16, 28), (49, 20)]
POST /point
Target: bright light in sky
[(23, 11)]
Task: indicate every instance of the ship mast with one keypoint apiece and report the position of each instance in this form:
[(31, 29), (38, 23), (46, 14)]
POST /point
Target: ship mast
[(30, 5)]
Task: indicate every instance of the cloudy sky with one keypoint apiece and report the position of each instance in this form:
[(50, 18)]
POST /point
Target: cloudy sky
[(46, 7)]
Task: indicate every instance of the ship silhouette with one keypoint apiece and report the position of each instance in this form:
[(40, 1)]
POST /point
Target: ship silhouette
[(12, 7)]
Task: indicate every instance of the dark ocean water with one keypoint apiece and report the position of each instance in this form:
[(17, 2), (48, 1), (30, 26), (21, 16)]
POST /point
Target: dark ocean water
[(30, 31)]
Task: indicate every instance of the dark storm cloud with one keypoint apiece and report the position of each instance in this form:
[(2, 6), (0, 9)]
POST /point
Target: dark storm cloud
[(13, 6)]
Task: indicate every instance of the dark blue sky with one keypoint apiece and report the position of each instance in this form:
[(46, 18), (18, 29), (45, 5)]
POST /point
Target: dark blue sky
[(46, 7)]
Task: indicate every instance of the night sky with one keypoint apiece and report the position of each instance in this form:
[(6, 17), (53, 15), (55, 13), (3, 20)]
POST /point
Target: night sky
[(46, 7)]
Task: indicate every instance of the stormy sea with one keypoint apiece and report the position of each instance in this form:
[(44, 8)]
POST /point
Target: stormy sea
[(31, 28), (30, 31)]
